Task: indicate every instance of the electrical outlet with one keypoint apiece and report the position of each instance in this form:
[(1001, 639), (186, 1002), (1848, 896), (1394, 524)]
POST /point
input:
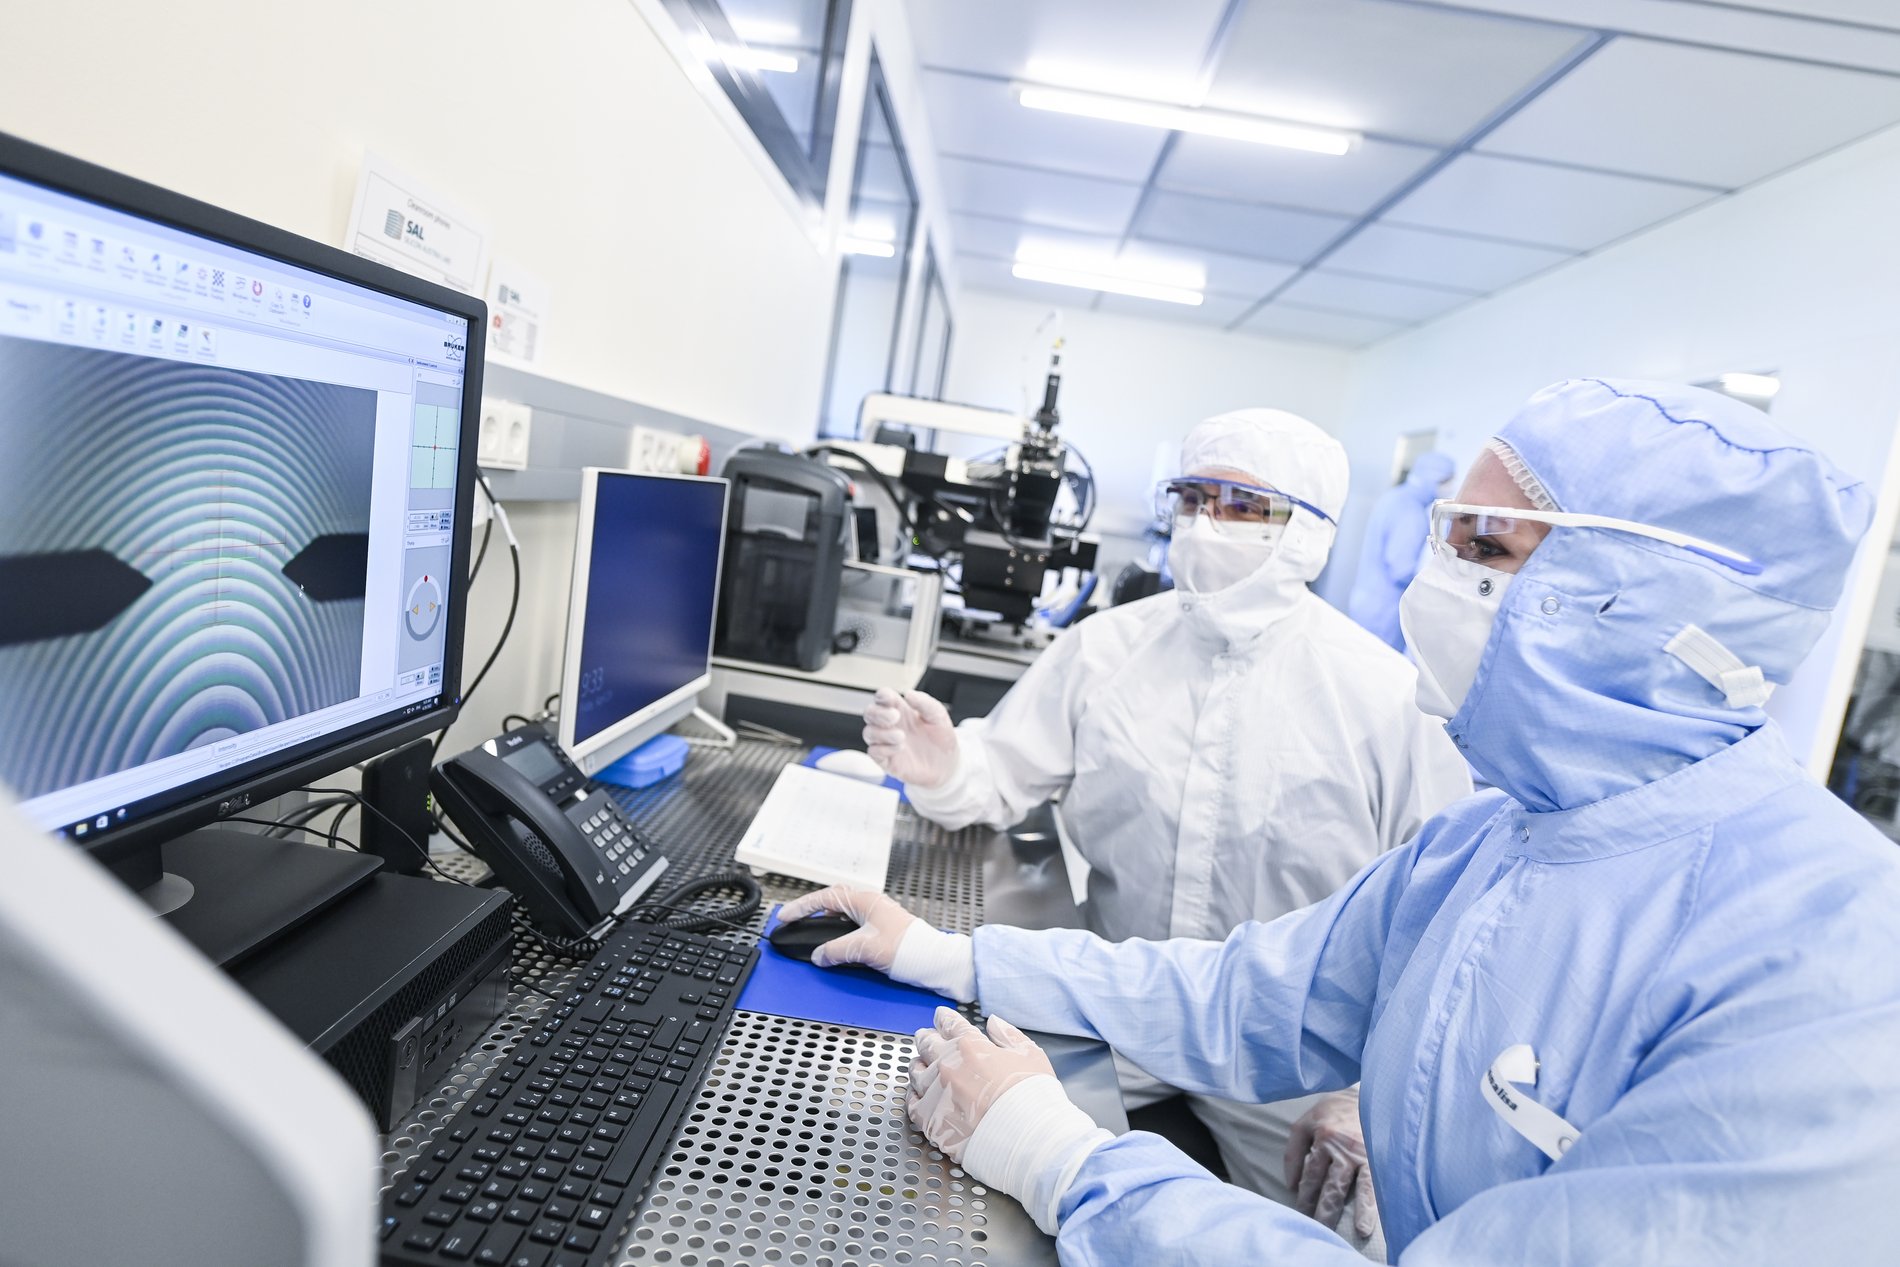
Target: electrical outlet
[(504, 435)]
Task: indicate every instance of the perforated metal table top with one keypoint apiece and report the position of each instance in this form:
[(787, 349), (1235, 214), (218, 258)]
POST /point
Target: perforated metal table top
[(797, 1149)]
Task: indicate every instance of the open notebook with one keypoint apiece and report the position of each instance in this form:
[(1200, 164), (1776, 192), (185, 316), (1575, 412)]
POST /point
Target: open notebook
[(822, 827)]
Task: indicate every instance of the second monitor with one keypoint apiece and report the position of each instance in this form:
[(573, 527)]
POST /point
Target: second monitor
[(640, 620)]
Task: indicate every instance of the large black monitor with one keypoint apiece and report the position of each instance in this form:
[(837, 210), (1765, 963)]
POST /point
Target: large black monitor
[(640, 618), (235, 472)]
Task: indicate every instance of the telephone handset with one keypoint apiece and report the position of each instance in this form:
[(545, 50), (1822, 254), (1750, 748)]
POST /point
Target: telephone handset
[(568, 852)]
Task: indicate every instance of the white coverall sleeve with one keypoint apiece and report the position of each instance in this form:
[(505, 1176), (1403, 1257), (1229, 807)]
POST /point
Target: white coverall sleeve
[(1276, 1011), (1023, 752)]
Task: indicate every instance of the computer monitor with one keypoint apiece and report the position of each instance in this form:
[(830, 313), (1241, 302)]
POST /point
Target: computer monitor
[(640, 615), (235, 470)]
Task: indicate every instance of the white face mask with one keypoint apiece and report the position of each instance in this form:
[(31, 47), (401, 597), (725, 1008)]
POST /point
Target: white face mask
[(1204, 561), (1447, 613)]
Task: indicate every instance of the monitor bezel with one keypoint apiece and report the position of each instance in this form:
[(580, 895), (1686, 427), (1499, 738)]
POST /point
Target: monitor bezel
[(594, 753), (126, 849)]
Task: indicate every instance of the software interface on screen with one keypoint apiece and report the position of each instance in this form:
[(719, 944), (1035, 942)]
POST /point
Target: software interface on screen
[(226, 486), (652, 577)]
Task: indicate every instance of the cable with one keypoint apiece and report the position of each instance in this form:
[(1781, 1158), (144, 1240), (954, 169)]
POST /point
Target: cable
[(507, 625), (684, 920), (909, 520), (304, 813), (488, 531), (517, 719), (357, 799)]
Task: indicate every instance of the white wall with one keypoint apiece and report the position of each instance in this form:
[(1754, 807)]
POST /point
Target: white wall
[(1800, 275), (1132, 387)]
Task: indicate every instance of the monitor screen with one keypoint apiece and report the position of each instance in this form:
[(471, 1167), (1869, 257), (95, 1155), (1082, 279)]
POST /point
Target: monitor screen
[(228, 486), (646, 586)]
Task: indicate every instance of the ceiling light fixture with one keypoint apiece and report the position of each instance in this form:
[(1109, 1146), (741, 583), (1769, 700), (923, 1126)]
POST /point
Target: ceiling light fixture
[(1234, 127), (1104, 281), (869, 246), (1754, 386), (761, 59)]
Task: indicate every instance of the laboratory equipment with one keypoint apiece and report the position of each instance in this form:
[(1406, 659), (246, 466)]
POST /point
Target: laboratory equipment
[(784, 559)]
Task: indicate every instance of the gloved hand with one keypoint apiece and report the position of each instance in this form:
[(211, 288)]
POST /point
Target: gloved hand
[(911, 736), (958, 1074), (993, 1105), (1326, 1164), (891, 940)]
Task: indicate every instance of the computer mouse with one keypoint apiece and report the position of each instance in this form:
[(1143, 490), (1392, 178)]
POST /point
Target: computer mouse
[(852, 764), (799, 938)]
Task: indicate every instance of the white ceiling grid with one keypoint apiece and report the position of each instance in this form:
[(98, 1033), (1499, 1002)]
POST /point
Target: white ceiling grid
[(1499, 139)]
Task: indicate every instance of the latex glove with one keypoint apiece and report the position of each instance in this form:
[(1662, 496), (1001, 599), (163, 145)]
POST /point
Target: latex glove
[(1326, 1164), (911, 737), (994, 1106), (891, 940)]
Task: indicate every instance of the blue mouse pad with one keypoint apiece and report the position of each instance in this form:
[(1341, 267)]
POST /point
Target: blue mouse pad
[(783, 986), (895, 785)]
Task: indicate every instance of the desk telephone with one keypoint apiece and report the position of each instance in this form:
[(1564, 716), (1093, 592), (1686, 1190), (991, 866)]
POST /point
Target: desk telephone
[(570, 853)]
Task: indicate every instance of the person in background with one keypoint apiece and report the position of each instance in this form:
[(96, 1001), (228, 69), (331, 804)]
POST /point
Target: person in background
[(1638, 1003), (1229, 751), (1394, 546)]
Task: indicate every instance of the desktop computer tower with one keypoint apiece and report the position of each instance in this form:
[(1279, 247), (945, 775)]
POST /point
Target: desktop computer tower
[(392, 984)]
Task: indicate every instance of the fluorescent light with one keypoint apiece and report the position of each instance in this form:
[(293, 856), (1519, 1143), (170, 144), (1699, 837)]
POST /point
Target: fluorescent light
[(869, 246), (1103, 281), (1754, 386), (760, 59), (1234, 127)]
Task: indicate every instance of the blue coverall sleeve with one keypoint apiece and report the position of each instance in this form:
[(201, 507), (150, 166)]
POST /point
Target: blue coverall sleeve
[(1275, 1011)]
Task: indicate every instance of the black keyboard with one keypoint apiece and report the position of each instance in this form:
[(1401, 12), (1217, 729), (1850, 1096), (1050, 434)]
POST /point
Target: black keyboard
[(547, 1161)]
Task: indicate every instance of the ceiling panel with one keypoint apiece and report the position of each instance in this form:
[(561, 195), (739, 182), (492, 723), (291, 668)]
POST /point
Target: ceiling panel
[(1402, 69), (1443, 259), (1237, 228), (1141, 48), (1216, 310), (1696, 114), (987, 274), (1879, 13), (1288, 322), (980, 118), (1532, 203), (1370, 297), (1225, 274), (1065, 202), (1352, 183)]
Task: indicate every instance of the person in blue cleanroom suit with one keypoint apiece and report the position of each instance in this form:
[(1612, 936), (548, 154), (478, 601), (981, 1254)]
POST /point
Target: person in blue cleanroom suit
[(1638, 1003), (1394, 544)]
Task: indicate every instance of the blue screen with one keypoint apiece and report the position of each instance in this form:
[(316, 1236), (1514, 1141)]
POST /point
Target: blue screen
[(652, 576)]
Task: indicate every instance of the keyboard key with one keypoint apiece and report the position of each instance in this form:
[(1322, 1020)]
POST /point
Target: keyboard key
[(536, 1190), (484, 1211), (522, 1213), (421, 1238), (582, 1240), (459, 1245), (441, 1216), (498, 1247), (596, 1216), (562, 1210), (574, 1189), (664, 1037), (499, 1189), (412, 1194), (460, 1193), (548, 1232), (530, 1256)]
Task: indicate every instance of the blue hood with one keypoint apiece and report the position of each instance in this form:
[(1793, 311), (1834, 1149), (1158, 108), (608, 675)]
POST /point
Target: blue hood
[(1575, 699), (1428, 474)]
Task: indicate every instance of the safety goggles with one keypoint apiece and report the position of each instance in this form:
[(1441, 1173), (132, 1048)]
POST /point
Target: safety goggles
[(1235, 509), (1497, 536)]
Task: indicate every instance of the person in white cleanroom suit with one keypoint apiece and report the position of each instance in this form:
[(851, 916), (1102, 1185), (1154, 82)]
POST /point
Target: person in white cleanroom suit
[(1638, 1003), (1394, 547), (1230, 751)]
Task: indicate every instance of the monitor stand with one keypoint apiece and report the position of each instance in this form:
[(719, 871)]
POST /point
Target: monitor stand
[(231, 893)]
